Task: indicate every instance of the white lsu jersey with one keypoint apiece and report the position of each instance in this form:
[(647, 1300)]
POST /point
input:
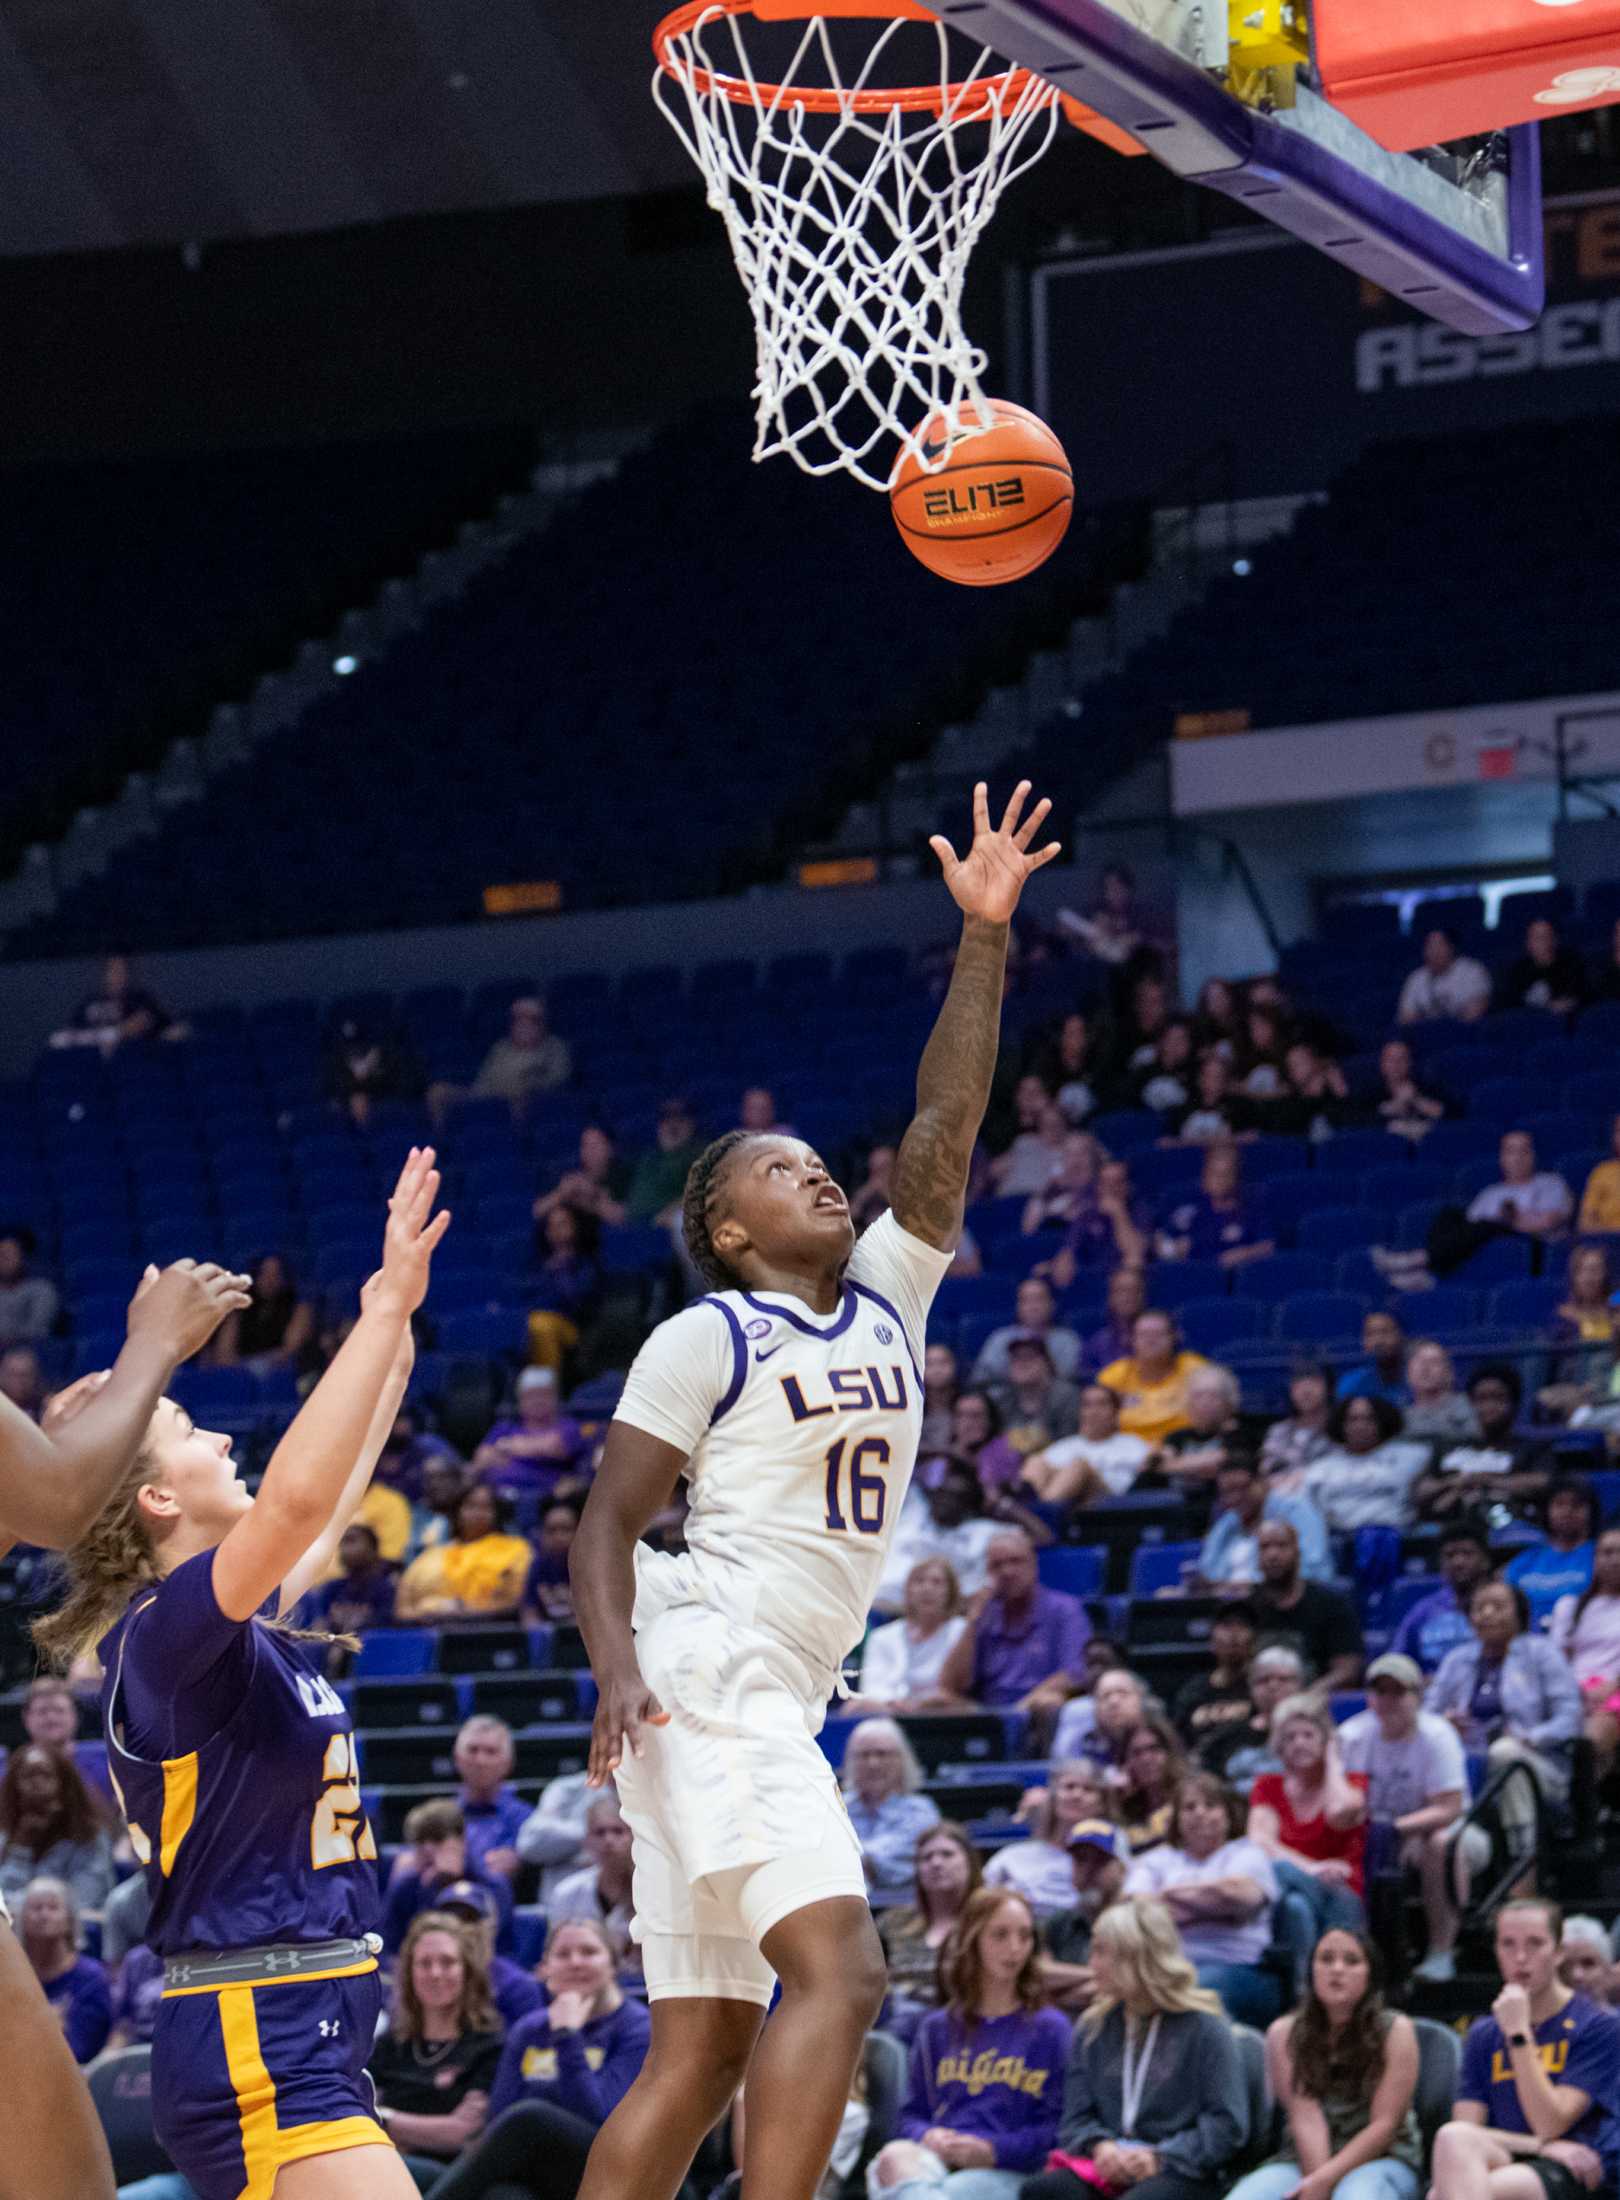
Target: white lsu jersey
[(801, 1435)]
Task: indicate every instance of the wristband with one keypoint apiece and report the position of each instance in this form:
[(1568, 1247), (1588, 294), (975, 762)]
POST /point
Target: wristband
[(1519, 2039)]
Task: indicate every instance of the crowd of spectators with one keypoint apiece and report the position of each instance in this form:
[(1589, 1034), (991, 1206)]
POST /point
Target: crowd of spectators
[(1194, 1854)]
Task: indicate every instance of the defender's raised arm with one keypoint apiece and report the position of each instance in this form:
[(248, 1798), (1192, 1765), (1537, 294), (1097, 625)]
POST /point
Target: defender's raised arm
[(953, 1079)]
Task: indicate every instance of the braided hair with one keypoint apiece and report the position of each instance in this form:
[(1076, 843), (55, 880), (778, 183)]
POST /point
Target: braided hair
[(702, 1180)]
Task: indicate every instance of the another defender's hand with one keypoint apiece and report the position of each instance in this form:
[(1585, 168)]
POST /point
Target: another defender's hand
[(623, 1707), (411, 1238), (180, 1309), (990, 877)]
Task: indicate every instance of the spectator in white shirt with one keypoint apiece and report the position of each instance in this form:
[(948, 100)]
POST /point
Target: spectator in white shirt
[(1366, 1480), (553, 1834), (1586, 1628), (1417, 1778), (1445, 984), (600, 1889), (1102, 1461), (946, 1521), (1534, 1201), (902, 1661)]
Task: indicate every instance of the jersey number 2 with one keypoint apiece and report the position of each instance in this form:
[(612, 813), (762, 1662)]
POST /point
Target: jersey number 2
[(340, 1832), (868, 1493)]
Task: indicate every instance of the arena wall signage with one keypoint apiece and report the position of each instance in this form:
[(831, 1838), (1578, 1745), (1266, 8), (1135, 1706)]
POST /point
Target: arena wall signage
[(1364, 756), (1147, 360)]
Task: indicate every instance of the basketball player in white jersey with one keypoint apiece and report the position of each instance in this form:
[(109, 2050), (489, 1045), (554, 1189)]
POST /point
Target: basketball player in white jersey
[(791, 1400)]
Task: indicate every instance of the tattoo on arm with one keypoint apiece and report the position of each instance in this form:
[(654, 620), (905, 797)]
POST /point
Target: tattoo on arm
[(953, 1090)]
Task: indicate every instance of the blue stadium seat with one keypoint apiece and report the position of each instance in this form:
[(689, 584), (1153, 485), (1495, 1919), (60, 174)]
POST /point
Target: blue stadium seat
[(1321, 1317), (396, 1650), (1079, 1570), (1284, 1275), (1212, 1325), (1404, 1186), (1174, 1282), (1156, 1566), (1501, 1260), (1445, 1312), (633, 1249), (1525, 1306), (1328, 1231)]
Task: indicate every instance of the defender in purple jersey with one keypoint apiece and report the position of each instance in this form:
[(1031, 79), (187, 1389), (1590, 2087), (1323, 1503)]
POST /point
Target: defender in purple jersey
[(234, 1763), (53, 1481)]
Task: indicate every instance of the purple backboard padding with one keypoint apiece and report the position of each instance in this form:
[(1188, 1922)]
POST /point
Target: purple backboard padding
[(1199, 132)]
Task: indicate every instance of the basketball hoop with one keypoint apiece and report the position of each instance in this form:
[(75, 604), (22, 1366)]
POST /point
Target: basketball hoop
[(853, 206)]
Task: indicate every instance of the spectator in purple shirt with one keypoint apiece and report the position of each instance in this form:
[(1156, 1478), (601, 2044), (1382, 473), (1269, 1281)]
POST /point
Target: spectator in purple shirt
[(492, 1811), (986, 2083), (1127, 1297), (75, 1985), (1222, 1221), (362, 1595), (1440, 1622), (548, 1594), (1024, 1645), (539, 1449), (136, 1993), (407, 1453)]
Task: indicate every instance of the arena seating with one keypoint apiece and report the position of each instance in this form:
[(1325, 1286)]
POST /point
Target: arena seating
[(140, 593)]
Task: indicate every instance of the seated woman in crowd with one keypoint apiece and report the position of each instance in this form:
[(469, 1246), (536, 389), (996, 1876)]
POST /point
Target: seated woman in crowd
[(1218, 1112), (1222, 1221), (881, 1777), (1220, 1889), (1153, 2096), (1154, 1767), (976, 1436), (1218, 1018), (594, 1186), (561, 2075), (986, 2080), (1585, 1630), (902, 1660), (1366, 1477), (1070, 1191), (1102, 1460), (1038, 1867), (1584, 1331), (434, 2066), (1600, 1199), (1300, 1438), (1511, 1694), (1311, 1818), (1240, 1749), (548, 1594), (478, 1574), (52, 1824), (566, 1280), (1165, 1085), (1561, 1565), (948, 1871), (276, 1330), (1073, 1067), (136, 1991), (1344, 2070), (75, 1985)]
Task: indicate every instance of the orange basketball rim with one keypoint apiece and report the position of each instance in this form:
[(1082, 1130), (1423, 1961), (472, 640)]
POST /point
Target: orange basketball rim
[(964, 102)]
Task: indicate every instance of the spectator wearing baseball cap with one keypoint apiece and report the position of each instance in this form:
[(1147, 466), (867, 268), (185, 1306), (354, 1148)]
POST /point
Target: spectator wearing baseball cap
[(1099, 1858), (1037, 1408), (1417, 1781), (538, 1449), (1035, 1311), (1440, 1621)]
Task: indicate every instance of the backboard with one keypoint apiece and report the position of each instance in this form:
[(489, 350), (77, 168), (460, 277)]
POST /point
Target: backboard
[(1216, 95)]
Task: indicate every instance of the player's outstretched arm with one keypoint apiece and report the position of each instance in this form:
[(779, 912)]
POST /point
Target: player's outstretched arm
[(317, 1560), (311, 1467), (959, 1061), (55, 1480), (633, 1484)]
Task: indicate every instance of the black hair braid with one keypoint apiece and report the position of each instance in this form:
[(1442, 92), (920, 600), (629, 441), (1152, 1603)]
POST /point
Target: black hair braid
[(701, 1181)]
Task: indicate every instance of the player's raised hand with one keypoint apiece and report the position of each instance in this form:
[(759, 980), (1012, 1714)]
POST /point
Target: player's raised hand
[(178, 1311), (411, 1238), (988, 880), (624, 1705)]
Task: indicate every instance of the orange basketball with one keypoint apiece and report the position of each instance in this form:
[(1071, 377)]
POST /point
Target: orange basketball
[(996, 509)]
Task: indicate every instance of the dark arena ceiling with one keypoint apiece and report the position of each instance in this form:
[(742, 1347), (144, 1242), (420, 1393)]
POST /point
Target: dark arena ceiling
[(165, 122)]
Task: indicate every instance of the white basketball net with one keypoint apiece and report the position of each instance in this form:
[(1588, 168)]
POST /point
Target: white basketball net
[(853, 230)]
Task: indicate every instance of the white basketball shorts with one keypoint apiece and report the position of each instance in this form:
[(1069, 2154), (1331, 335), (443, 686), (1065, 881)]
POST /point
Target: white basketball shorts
[(736, 1816)]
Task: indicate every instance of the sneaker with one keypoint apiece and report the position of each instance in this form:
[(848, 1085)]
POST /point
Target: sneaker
[(1437, 1969)]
